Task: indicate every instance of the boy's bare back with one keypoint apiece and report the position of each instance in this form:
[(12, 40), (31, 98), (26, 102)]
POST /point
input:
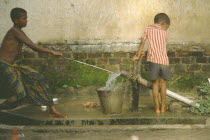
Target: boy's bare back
[(15, 38), (11, 47)]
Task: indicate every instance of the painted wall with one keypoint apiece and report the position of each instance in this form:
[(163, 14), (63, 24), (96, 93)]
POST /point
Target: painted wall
[(92, 21)]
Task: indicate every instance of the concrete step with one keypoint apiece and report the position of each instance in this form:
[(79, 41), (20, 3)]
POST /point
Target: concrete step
[(108, 128), (16, 119), (104, 128)]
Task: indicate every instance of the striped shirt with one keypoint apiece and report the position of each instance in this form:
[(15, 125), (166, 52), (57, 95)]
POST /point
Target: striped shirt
[(156, 37)]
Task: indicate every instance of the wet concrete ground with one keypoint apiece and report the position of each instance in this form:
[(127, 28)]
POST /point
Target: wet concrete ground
[(74, 109)]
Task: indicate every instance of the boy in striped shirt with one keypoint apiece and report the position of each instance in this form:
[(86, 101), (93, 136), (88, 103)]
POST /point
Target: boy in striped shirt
[(156, 36)]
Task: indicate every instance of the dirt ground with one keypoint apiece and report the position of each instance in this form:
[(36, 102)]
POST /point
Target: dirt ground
[(174, 134)]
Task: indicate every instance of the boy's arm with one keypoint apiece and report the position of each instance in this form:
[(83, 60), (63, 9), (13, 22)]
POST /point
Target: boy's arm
[(139, 53), (21, 36)]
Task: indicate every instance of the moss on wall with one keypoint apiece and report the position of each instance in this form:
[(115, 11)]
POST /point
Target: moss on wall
[(77, 75)]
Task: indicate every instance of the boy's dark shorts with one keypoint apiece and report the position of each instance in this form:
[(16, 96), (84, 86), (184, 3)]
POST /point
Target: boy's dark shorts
[(159, 71)]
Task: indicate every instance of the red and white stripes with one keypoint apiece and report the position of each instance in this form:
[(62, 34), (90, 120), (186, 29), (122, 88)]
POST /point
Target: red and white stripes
[(156, 37)]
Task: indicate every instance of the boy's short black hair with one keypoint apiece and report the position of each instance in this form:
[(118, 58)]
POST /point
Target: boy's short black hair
[(16, 13), (162, 17)]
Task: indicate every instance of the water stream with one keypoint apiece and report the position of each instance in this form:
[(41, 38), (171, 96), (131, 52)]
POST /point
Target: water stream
[(110, 84)]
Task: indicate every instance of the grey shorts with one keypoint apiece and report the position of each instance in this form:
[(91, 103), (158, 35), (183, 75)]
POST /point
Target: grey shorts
[(159, 71)]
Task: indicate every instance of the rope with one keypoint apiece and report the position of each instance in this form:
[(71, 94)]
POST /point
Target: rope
[(89, 65)]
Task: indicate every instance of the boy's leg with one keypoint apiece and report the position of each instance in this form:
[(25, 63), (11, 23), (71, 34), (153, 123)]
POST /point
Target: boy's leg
[(163, 94), (154, 76), (38, 90), (164, 74), (36, 86), (155, 90), (12, 81)]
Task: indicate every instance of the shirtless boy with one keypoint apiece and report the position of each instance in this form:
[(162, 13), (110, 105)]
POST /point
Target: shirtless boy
[(24, 83)]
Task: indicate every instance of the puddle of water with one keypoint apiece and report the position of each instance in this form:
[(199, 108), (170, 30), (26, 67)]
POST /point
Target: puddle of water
[(74, 109)]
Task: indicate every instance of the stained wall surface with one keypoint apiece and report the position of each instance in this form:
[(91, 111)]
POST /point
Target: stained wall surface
[(91, 21)]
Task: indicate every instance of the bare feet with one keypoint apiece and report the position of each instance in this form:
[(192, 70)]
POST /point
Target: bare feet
[(54, 113), (157, 111), (164, 109), (57, 114)]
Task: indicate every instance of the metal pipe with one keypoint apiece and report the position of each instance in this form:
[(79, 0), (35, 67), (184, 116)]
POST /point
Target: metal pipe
[(181, 98), (168, 92)]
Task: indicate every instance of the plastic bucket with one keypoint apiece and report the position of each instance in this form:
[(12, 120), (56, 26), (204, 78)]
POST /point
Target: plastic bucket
[(111, 100)]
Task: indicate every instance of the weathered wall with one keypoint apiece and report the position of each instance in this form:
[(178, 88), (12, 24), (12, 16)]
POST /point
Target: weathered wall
[(93, 21), (185, 60), (106, 32)]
